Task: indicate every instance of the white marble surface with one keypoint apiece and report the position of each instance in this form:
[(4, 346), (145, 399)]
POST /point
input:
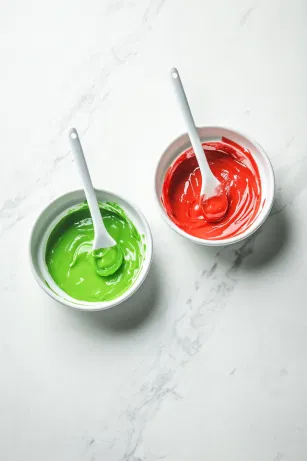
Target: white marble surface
[(208, 361)]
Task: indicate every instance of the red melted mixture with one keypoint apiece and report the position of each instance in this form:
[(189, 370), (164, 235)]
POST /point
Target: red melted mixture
[(235, 168)]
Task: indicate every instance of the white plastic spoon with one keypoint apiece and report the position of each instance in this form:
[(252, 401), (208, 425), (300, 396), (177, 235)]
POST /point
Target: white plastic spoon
[(214, 201), (106, 262)]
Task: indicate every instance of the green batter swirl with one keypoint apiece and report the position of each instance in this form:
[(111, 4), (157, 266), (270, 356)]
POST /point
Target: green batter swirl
[(69, 254)]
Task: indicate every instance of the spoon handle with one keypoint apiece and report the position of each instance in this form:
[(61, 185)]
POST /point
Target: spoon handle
[(192, 130), (90, 194)]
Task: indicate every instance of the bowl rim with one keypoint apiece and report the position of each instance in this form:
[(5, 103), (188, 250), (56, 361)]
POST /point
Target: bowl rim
[(102, 305), (250, 230)]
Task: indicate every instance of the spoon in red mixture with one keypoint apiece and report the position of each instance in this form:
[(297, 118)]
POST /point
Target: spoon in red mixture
[(213, 197)]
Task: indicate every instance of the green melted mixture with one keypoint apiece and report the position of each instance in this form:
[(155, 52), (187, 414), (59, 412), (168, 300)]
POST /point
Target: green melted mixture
[(70, 260)]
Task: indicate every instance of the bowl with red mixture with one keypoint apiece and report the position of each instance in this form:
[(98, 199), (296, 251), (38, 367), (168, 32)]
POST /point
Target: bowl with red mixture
[(239, 163)]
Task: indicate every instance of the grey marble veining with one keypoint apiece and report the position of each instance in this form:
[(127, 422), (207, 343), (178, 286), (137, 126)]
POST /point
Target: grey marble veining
[(208, 360)]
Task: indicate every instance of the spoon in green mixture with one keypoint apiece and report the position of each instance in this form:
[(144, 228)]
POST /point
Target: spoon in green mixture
[(107, 255)]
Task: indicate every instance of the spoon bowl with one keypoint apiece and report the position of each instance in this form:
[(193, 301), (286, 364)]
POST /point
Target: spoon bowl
[(107, 261), (215, 207)]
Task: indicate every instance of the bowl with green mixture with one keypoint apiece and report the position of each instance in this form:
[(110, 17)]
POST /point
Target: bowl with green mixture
[(61, 251)]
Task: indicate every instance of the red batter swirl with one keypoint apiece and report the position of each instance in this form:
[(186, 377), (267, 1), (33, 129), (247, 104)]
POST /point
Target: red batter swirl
[(235, 168)]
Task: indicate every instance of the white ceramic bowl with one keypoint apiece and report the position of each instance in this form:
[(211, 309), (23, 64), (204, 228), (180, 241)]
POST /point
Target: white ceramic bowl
[(215, 133), (47, 220)]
